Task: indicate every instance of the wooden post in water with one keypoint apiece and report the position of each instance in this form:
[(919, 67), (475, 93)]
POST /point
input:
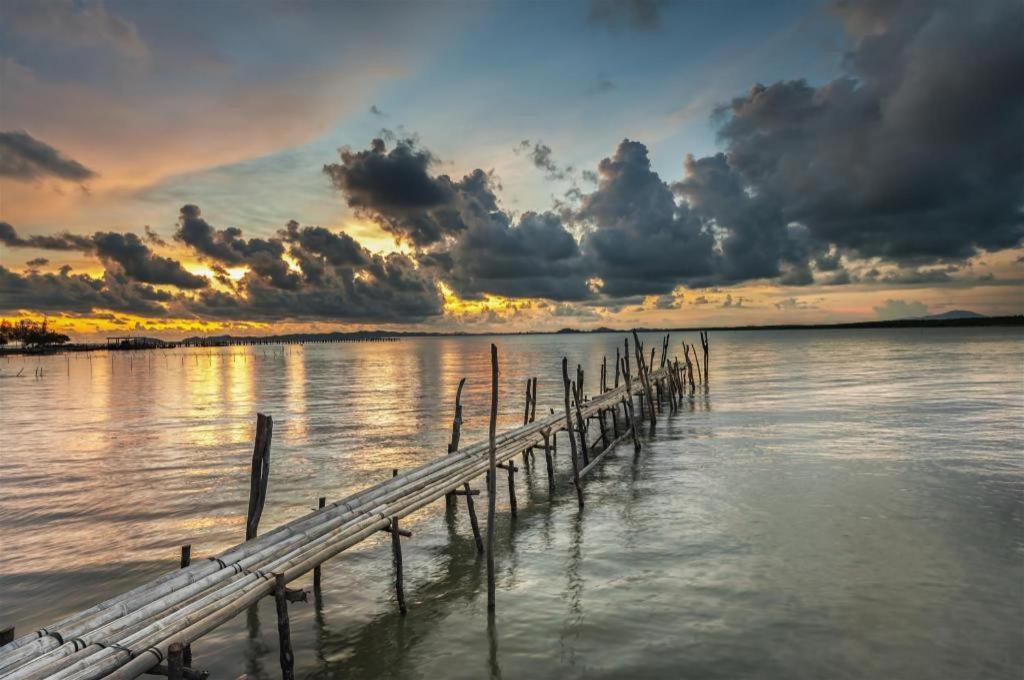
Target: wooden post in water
[(396, 549), (259, 475), (453, 445), (284, 634), (526, 419), (568, 428), (580, 423), (628, 402), (492, 478), (175, 662), (6, 635), (186, 559), (704, 344), (547, 459), (320, 503), (642, 368)]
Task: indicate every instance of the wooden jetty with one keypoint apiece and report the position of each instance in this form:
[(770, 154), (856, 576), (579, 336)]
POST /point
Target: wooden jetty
[(149, 629)]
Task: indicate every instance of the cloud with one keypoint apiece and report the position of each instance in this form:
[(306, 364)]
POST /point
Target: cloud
[(77, 293), (375, 110), (396, 190), (24, 157), (540, 155), (901, 309), (915, 154), (642, 15), (9, 237), (641, 241), (37, 262), (535, 257), (128, 253), (457, 228)]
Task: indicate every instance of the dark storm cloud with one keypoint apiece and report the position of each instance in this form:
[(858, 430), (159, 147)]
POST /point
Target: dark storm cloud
[(228, 247), (536, 257), (388, 289), (76, 293), (125, 253), (642, 241), (128, 253), (396, 190), (9, 237), (37, 262), (24, 157), (915, 156), (461, 233), (338, 279)]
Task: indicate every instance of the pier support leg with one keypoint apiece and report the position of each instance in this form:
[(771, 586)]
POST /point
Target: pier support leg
[(186, 559), (491, 479), (321, 502), (547, 459), (396, 548), (472, 519), (572, 438), (175, 661), (284, 633)]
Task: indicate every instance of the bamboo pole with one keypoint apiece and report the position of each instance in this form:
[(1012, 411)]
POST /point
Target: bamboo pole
[(704, 345), (491, 478)]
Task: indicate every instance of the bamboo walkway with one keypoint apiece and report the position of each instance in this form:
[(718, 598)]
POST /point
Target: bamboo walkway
[(149, 629)]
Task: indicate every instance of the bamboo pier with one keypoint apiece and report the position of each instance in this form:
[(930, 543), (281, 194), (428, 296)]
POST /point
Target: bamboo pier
[(150, 629)]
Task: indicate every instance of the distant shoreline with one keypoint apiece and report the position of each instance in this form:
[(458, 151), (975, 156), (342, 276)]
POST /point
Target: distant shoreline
[(378, 335)]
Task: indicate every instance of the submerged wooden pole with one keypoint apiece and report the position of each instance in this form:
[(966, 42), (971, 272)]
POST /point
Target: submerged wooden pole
[(396, 548), (259, 474), (568, 428), (491, 478), (320, 503), (284, 634), (580, 423), (547, 459)]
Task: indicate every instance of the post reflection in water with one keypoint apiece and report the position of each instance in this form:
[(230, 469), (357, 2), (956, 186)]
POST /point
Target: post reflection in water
[(762, 537)]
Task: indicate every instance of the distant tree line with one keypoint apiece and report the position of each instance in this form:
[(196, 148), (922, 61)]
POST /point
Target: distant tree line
[(30, 333)]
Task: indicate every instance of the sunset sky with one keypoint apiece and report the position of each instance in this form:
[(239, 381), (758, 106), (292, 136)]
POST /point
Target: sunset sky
[(173, 168)]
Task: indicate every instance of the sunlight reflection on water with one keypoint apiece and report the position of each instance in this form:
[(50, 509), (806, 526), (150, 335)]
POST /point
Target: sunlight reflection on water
[(841, 504)]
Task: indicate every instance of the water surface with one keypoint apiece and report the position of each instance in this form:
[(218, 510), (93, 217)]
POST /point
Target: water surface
[(838, 504)]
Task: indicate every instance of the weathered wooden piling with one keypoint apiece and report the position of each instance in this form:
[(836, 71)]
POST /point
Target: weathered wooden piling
[(284, 634), (320, 503), (704, 345), (492, 481), (259, 475), (568, 428)]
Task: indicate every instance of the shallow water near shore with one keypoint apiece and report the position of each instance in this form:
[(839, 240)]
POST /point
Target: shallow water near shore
[(839, 503)]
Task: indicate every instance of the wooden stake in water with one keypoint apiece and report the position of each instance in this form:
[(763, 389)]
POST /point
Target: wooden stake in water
[(284, 629), (320, 503), (491, 478), (568, 428), (259, 475)]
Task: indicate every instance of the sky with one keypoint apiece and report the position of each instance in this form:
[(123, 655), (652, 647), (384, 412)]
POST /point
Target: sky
[(174, 168)]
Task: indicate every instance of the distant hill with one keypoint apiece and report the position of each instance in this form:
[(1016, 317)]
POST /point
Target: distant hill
[(955, 314)]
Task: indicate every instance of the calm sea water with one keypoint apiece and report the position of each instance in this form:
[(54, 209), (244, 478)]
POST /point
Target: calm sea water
[(840, 504)]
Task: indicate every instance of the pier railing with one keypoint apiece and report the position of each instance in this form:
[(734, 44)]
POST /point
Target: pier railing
[(149, 629)]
